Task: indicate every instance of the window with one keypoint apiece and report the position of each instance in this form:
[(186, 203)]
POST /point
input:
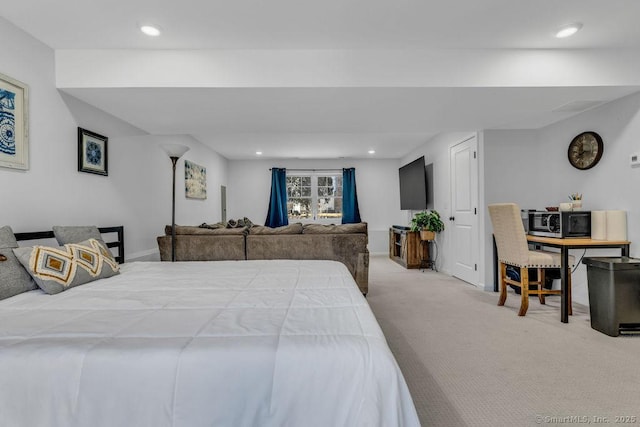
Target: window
[(314, 196)]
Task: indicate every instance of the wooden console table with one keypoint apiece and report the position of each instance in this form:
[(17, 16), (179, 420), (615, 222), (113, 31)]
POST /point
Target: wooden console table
[(405, 248)]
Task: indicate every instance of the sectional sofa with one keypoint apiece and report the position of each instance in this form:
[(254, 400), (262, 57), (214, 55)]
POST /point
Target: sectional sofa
[(346, 243)]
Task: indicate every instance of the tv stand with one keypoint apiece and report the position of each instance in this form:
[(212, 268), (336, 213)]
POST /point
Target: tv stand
[(401, 227), (405, 247)]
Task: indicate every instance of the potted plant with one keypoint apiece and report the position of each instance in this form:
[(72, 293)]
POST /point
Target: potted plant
[(428, 223)]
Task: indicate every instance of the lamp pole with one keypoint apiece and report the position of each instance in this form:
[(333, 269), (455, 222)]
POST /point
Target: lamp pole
[(175, 151), (174, 161)]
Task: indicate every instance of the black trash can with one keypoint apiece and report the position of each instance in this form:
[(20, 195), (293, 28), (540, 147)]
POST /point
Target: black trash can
[(614, 294)]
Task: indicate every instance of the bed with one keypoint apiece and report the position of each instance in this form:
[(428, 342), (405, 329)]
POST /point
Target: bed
[(221, 343)]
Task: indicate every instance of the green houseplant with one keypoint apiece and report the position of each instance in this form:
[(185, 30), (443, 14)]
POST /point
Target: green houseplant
[(427, 223)]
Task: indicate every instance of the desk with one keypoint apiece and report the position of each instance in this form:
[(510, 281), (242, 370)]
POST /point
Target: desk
[(565, 245)]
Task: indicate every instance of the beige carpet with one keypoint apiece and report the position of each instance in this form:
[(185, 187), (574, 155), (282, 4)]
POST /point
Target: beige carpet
[(469, 362)]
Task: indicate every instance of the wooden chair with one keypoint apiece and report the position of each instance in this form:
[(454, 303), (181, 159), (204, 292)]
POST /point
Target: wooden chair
[(513, 250)]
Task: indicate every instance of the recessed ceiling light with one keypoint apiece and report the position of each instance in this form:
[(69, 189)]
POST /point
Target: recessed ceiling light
[(259, 153), (150, 30), (372, 151), (568, 30)]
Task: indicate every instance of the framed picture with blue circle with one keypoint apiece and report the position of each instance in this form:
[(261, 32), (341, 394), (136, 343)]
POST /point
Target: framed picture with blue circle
[(14, 124), (92, 152)]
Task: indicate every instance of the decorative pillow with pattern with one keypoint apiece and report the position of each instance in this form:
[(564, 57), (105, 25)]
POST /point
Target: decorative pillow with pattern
[(58, 269), (14, 279)]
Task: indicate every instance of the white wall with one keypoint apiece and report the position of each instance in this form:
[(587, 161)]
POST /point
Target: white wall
[(531, 169), (513, 164), (137, 192), (141, 196), (376, 182)]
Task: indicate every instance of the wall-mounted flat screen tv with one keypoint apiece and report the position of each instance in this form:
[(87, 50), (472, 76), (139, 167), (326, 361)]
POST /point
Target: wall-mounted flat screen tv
[(429, 171), (413, 186)]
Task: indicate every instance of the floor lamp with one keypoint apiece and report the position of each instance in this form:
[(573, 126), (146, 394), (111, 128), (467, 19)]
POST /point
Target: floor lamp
[(174, 151)]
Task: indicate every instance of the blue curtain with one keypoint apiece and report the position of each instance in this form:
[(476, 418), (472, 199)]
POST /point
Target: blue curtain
[(277, 215), (350, 210)]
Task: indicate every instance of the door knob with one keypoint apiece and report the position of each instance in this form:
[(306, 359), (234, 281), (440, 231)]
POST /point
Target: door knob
[(452, 218)]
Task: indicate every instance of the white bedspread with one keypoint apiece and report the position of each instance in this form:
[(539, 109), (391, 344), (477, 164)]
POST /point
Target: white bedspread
[(249, 343)]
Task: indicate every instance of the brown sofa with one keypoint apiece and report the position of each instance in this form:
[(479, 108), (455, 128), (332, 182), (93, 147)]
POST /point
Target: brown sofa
[(203, 244), (346, 243)]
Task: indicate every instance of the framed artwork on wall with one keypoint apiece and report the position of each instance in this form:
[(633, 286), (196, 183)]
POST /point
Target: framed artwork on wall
[(14, 123), (93, 155), (195, 180)]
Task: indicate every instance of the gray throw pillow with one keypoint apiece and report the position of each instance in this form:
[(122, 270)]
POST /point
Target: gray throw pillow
[(192, 229), (14, 279), (58, 269), (209, 226), (295, 228), (355, 228), (76, 233)]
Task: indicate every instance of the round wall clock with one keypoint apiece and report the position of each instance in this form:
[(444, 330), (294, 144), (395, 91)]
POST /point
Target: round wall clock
[(585, 150)]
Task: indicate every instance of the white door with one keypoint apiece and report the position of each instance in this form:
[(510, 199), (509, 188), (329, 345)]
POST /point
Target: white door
[(464, 210)]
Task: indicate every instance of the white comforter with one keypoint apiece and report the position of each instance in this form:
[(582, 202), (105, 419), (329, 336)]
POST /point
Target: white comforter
[(249, 343)]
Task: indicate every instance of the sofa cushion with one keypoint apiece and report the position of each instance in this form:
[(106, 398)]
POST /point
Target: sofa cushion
[(14, 279), (203, 247), (192, 229), (349, 249), (360, 227), (295, 228)]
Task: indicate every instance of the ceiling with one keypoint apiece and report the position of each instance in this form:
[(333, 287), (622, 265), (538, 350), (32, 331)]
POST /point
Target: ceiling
[(330, 122)]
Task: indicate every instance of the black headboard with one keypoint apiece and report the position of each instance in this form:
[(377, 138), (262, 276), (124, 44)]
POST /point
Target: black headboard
[(119, 243)]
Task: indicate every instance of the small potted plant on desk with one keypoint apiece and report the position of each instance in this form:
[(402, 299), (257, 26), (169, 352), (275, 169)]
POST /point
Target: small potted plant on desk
[(428, 223)]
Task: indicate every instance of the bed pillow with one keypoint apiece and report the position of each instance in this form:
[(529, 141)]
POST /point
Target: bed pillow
[(76, 233), (14, 279), (58, 269)]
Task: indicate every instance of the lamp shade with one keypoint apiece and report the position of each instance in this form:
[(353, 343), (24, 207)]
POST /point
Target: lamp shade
[(174, 150)]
